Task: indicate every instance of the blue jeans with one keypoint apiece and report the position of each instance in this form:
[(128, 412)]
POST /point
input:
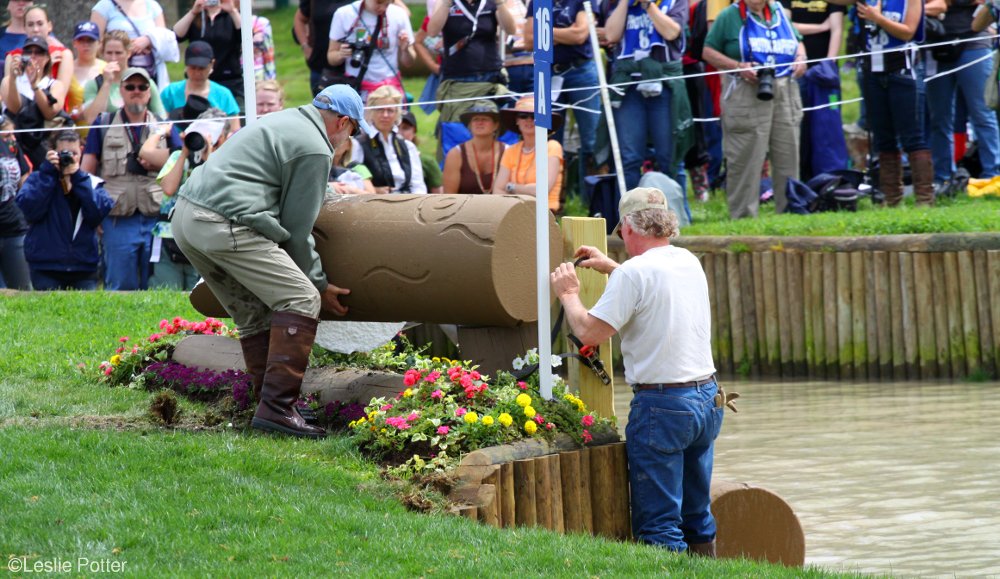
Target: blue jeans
[(586, 122), (127, 245), (521, 78), (13, 267), (670, 439), (941, 101), (639, 120), (63, 280), (895, 105)]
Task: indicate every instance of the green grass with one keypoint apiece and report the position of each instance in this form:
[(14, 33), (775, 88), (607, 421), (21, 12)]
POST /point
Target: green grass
[(85, 473)]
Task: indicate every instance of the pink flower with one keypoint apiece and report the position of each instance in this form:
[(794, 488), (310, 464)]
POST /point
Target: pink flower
[(154, 337), (386, 408), (460, 412), (123, 339), (587, 438), (539, 419), (411, 377), (107, 371), (437, 394), (398, 421), (522, 385), (549, 426), (413, 416), (466, 381), (432, 377), (587, 421), (475, 375), (119, 349), (164, 324), (443, 430)]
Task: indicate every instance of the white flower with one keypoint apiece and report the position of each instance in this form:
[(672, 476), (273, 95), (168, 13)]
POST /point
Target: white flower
[(517, 364), (556, 361)]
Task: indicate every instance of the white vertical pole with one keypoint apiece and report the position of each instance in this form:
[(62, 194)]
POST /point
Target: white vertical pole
[(249, 81), (542, 259), (603, 82)]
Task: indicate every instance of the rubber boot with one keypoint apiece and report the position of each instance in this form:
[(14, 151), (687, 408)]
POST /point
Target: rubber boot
[(292, 337), (922, 168), (255, 357), (702, 549), (890, 177)]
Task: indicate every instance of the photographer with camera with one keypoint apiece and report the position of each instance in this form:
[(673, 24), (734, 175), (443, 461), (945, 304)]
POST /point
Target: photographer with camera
[(217, 22), (761, 109), (113, 152), (171, 269), (373, 37), (63, 206), (32, 96)]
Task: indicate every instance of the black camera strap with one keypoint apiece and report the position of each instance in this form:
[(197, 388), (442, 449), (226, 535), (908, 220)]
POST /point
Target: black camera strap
[(381, 22)]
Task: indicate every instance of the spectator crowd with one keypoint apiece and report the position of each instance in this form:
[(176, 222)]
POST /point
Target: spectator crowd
[(98, 139)]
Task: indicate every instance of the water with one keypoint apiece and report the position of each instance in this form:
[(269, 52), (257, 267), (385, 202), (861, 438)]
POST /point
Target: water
[(896, 478)]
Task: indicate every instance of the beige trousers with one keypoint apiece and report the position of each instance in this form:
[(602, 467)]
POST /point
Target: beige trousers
[(249, 274), (753, 130)]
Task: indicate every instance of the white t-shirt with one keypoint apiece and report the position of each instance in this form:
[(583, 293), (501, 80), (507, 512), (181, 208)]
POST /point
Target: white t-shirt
[(658, 303), (384, 61), (417, 184)]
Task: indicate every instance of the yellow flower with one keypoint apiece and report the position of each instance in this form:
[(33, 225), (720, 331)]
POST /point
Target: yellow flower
[(505, 419), (115, 360), (523, 400), (488, 420), (529, 411), (408, 392), (436, 360), (580, 405), (471, 418), (530, 427)]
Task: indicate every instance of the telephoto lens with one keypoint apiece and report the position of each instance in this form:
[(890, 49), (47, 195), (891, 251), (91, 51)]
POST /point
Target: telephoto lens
[(765, 84), (194, 142)]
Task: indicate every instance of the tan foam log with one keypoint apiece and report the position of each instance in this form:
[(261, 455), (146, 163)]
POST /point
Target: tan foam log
[(463, 259), (755, 523)]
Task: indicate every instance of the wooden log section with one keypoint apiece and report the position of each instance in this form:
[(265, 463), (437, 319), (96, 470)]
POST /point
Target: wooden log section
[(619, 470), (725, 360), (970, 322), (871, 317), (757, 262), (398, 255), (858, 312), (955, 340), (940, 307), (909, 294), (845, 336), (883, 313), (783, 303), (508, 516), (543, 492), (816, 313), (572, 515), (749, 308), (830, 315), (586, 496), (986, 348), (925, 316), (735, 319), (772, 329), (555, 492), (993, 267), (708, 264), (602, 483), (490, 512), (757, 524), (796, 300), (524, 493), (896, 309)]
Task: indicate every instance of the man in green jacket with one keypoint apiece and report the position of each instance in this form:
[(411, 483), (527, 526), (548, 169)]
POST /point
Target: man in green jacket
[(244, 219)]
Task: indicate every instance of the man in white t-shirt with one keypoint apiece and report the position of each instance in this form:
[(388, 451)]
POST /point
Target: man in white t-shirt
[(381, 26), (658, 302)]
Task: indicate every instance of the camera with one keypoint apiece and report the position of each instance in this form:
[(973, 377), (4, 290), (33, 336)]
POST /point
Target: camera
[(133, 166), (358, 50), (196, 145), (25, 61), (65, 159), (765, 84), (211, 2)]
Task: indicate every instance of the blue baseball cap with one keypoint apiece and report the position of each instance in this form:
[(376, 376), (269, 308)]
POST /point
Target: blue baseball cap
[(87, 29), (345, 101)]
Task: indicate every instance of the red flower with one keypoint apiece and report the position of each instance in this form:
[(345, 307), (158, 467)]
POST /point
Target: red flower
[(549, 426), (587, 420), (432, 377), (539, 419), (411, 377), (587, 438), (522, 385)]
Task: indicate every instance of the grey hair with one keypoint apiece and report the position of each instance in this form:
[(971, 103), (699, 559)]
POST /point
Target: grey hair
[(659, 223), (215, 113)]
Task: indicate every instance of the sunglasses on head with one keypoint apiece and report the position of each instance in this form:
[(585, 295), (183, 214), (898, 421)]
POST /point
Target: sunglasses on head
[(136, 87)]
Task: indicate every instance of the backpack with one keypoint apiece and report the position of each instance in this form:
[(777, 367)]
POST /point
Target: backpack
[(697, 30)]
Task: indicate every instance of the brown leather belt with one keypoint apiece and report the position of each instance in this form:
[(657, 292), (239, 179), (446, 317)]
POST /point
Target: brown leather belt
[(663, 386)]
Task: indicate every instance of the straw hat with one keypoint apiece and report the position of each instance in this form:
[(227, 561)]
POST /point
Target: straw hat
[(508, 117)]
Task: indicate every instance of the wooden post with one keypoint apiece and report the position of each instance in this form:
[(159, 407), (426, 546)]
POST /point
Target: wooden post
[(555, 491), (845, 336), (970, 325), (986, 349), (524, 493), (818, 314), (830, 315), (569, 463), (708, 264), (993, 267), (725, 360), (796, 303), (925, 315), (957, 344), (602, 483), (508, 515), (783, 303), (871, 317), (772, 330), (586, 497), (490, 513), (896, 307), (909, 312), (591, 231), (940, 293), (752, 342), (883, 313), (623, 518), (735, 283), (757, 261), (858, 315), (543, 492)]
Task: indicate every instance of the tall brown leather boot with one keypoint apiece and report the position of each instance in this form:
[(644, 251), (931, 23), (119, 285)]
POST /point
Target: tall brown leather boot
[(890, 177), (702, 549), (922, 169), (255, 357), (292, 337)]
